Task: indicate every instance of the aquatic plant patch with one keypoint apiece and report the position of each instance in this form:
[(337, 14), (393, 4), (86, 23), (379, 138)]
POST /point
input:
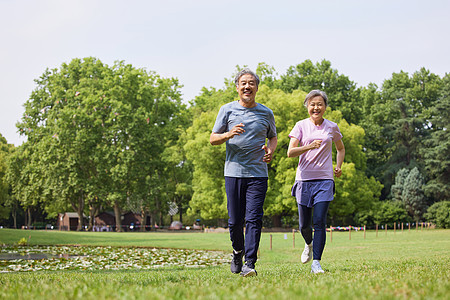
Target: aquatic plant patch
[(35, 258)]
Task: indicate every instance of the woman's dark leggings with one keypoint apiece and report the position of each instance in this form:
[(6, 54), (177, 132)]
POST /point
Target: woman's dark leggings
[(319, 220)]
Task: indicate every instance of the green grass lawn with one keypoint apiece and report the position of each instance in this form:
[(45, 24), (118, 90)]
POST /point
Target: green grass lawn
[(405, 265)]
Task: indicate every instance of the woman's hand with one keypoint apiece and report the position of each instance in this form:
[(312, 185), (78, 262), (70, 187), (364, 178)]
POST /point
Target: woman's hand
[(337, 172), (294, 150), (315, 144)]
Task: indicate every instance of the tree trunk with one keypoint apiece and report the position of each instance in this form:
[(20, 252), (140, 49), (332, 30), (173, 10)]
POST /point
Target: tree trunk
[(276, 220), (118, 214), (80, 211), (161, 219), (93, 210), (14, 215), (79, 208), (29, 217), (158, 212), (144, 219)]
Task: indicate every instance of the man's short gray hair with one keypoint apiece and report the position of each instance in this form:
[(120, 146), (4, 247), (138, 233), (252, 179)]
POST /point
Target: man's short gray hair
[(243, 72), (315, 93)]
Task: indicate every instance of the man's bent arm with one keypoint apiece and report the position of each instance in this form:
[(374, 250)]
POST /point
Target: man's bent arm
[(218, 138)]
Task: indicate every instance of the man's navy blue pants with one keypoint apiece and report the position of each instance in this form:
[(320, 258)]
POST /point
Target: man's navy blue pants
[(245, 200)]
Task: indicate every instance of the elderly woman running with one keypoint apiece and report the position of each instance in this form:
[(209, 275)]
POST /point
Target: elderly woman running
[(311, 140)]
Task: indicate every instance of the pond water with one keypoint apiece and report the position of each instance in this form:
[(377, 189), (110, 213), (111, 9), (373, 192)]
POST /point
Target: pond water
[(88, 258)]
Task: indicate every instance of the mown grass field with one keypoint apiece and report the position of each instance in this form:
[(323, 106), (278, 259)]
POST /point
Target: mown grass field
[(405, 265)]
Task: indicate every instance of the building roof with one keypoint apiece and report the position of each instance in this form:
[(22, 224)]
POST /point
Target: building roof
[(72, 214)]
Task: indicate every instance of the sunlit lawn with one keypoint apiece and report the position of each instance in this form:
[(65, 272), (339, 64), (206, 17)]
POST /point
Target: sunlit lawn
[(405, 265)]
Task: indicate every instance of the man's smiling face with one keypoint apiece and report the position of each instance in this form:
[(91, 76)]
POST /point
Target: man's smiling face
[(247, 88)]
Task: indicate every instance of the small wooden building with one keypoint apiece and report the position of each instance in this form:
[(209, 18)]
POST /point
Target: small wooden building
[(68, 221), (131, 221), (105, 221)]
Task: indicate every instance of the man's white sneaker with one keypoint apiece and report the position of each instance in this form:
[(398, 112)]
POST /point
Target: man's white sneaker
[(248, 270), (307, 253), (316, 268)]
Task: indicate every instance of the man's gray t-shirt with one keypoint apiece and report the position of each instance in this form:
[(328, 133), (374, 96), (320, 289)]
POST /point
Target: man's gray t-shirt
[(244, 156)]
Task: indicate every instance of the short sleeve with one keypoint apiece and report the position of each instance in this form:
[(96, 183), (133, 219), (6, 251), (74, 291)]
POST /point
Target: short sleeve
[(272, 132), (296, 132), (337, 135), (220, 126)]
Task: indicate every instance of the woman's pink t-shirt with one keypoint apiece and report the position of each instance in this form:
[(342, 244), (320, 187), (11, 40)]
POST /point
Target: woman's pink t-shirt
[(315, 163)]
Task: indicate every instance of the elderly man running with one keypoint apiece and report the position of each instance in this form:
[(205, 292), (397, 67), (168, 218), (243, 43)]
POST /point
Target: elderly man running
[(245, 125)]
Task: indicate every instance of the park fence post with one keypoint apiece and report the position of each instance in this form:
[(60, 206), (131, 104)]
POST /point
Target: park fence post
[(331, 234), (293, 238), (271, 242), (376, 229)]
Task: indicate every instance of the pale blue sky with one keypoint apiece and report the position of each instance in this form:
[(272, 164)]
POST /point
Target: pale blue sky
[(201, 42)]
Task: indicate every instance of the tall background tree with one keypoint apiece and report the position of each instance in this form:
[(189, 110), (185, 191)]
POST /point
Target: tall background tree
[(436, 149), (7, 203), (397, 120), (93, 132)]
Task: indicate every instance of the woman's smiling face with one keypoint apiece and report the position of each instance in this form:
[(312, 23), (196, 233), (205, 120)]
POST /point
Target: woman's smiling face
[(316, 108)]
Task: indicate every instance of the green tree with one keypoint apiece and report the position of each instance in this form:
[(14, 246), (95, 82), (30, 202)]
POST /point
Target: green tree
[(397, 122), (178, 168), (95, 131), (23, 175), (436, 150), (6, 202), (355, 194), (342, 92), (413, 195), (398, 187), (388, 212), (208, 199), (267, 75), (439, 214)]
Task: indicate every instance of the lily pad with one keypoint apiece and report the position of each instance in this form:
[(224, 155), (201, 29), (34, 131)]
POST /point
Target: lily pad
[(35, 258)]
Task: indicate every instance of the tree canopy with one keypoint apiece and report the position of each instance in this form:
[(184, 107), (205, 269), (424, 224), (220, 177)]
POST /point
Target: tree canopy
[(96, 132), (120, 138)]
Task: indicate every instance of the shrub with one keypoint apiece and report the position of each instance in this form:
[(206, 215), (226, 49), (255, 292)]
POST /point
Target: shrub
[(439, 214), (22, 242)]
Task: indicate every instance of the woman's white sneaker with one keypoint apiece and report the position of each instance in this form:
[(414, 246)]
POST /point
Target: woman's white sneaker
[(307, 253), (316, 268)]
